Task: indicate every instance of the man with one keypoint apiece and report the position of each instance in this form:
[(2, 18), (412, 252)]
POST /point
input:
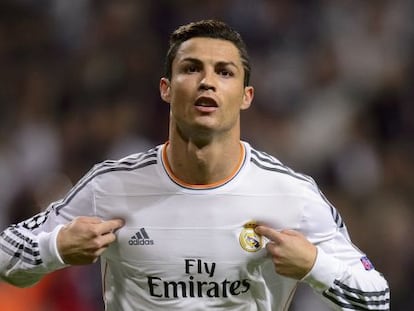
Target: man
[(195, 223)]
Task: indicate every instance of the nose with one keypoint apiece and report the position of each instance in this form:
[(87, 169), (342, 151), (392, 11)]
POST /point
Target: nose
[(206, 87), (207, 82)]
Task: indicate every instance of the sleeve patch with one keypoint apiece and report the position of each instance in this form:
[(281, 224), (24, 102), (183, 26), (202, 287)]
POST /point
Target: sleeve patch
[(366, 263)]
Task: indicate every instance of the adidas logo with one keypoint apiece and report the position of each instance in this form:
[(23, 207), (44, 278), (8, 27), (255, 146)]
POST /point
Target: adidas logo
[(140, 238)]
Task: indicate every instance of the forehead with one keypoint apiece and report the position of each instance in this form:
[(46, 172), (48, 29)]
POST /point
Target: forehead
[(209, 49)]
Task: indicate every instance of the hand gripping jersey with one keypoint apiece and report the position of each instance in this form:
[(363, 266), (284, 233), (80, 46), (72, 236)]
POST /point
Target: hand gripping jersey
[(192, 247)]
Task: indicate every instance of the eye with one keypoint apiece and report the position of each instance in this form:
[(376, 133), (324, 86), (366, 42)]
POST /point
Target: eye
[(226, 73), (191, 68)]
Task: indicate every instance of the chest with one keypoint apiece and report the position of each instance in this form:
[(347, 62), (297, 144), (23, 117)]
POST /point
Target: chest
[(196, 234)]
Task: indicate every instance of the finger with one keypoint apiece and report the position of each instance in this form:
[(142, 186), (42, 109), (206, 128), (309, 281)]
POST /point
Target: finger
[(293, 233), (110, 225), (88, 219), (106, 239), (104, 242), (271, 234)]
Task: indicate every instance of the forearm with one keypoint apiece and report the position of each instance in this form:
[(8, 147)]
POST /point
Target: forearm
[(26, 257), (28, 250), (348, 287)]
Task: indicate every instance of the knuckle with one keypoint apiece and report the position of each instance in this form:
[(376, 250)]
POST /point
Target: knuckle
[(97, 244), (94, 232), (271, 248), (111, 237), (79, 219)]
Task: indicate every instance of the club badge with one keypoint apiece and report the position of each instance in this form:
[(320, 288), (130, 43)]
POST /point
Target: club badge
[(249, 240)]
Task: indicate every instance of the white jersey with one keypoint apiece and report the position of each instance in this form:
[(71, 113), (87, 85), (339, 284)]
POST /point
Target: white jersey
[(192, 247)]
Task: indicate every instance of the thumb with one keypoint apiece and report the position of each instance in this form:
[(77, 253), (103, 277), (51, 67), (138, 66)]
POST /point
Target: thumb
[(88, 219), (111, 225)]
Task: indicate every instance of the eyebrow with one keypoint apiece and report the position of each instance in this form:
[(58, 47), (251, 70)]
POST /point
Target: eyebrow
[(199, 62)]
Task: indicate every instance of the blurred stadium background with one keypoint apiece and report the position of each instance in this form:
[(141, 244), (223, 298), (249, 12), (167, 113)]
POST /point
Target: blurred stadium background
[(334, 99)]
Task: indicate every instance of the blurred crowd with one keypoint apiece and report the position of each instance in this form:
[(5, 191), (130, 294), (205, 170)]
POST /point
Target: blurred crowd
[(79, 84)]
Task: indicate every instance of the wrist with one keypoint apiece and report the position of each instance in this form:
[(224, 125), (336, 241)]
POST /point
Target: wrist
[(323, 272), (49, 249)]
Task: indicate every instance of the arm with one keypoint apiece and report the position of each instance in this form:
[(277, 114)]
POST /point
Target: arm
[(327, 260), (346, 278), (55, 238), (28, 250)]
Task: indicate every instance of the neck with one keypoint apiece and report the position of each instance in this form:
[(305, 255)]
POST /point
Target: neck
[(203, 164)]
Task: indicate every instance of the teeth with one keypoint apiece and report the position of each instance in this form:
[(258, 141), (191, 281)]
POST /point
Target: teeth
[(206, 103)]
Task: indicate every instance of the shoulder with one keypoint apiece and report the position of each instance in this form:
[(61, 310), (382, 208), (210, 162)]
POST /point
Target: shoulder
[(318, 213), (110, 170), (131, 162), (274, 168), (284, 180), (104, 177)]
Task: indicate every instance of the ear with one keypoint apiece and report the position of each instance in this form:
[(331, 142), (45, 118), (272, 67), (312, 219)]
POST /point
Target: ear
[(165, 90), (247, 97)]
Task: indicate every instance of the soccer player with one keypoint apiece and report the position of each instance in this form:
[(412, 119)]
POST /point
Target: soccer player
[(195, 223)]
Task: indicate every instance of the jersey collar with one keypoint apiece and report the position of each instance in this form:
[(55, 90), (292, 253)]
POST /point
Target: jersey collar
[(214, 185)]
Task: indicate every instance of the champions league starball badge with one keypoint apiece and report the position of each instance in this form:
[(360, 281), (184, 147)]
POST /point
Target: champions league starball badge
[(249, 240)]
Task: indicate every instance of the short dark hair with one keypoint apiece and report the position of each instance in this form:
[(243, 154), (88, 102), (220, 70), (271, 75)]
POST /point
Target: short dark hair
[(206, 29)]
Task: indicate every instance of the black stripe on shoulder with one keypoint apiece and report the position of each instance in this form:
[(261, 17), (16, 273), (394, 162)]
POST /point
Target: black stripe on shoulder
[(277, 169), (264, 157), (266, 161), (131, 163), (334, 212)]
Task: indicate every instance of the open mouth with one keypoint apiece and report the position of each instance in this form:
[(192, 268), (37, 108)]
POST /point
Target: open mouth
[(206, 104)]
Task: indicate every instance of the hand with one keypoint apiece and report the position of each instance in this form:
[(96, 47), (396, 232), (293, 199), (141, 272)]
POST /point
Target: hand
[(293, 255), (84, 239)]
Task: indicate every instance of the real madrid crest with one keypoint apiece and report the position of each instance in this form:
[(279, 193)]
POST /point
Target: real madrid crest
[(249, 240)]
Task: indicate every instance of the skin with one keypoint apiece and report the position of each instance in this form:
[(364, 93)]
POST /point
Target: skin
[(206, 94), (84, 239), (292, 254), (210, 71)]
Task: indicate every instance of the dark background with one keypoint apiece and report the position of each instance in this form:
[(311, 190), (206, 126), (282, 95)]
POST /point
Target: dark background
[(334, 99)]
